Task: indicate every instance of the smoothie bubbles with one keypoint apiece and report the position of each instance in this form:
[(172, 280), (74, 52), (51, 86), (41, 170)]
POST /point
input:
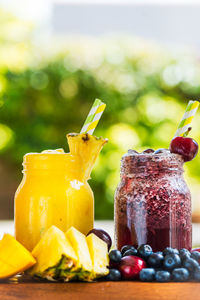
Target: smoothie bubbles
[(55, 190), (152, 200)]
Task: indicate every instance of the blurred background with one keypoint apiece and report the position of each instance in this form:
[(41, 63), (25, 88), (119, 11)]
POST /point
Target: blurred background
[(140, 57)]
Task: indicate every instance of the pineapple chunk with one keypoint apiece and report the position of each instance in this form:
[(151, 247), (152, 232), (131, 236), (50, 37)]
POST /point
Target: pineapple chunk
[(99, 255), (54, 254), (14, 258), (79, 243), (87, 147)]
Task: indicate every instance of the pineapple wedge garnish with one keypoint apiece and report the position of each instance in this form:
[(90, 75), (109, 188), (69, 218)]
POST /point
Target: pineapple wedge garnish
[(79, 244), (99, 255), (54, 254), (14, 258), (87, 147)]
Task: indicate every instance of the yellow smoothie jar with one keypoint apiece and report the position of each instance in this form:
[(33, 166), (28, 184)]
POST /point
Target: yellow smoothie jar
[(54, 190)]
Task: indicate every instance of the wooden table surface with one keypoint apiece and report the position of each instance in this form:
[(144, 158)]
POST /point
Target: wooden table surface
[(25, 289)]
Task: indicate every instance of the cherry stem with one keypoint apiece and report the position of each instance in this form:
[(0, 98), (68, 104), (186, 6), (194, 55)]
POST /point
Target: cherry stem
[(187, 132)]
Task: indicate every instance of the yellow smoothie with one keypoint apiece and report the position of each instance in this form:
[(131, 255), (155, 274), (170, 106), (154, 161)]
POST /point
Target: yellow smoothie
[(54, 190)]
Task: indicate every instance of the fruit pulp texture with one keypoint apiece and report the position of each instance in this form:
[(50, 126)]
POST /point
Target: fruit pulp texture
[(55, 191), (57, 196), (153, 203)]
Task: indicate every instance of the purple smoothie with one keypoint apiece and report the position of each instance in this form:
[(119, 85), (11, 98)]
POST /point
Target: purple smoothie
[(153, 202)]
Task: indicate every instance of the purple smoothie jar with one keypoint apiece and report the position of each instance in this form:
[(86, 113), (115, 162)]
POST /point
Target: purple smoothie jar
[(153, 202)]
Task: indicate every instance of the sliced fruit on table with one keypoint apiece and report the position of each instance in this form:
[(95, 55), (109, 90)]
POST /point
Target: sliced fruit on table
[(54, 255), (103, 235), (99, 255), (14, 258), (80, 246), (196, 249), (87, 147)]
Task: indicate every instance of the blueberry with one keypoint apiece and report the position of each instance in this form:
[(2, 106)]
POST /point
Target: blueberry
[(171, 261), (190, 264), (131, 151), (196, 274), (180, 274), (161, 150), (130, 252), (155, 260), (115, 256), (162, 276), (170, 250), (148, 151), (159, 252), (195, 255), (145, 251), (114, 275), (147, 274), (158, 269), (184, 253), (126, 248)]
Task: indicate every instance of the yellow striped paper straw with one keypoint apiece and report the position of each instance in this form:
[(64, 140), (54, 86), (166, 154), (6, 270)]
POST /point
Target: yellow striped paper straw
[(187, 118), (93, 117)]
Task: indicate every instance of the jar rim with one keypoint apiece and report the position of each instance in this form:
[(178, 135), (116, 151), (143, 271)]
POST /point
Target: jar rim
[(48, 161), (154, 157), (149, 163)]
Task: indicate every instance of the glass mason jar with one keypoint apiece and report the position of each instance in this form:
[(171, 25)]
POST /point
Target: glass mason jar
[(153, 202), (53, 191)]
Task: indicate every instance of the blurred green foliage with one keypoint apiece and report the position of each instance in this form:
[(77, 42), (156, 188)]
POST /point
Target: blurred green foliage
[(44, 96)]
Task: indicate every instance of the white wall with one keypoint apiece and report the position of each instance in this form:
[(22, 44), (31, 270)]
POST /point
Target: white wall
[(179, 23)]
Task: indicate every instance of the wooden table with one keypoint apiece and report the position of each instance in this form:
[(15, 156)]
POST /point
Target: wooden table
[(25, 289)]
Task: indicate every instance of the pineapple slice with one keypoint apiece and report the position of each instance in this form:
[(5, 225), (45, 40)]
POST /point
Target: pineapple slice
[(99, 255), (79, 243), (54, 254), (14, 258), (87, 147)]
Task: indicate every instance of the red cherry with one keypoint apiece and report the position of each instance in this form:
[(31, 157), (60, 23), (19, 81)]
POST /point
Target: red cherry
[(196, 249), (187, 147), (130, 267)]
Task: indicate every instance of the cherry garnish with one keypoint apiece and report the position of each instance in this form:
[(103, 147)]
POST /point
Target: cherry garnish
[(185, 146)]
